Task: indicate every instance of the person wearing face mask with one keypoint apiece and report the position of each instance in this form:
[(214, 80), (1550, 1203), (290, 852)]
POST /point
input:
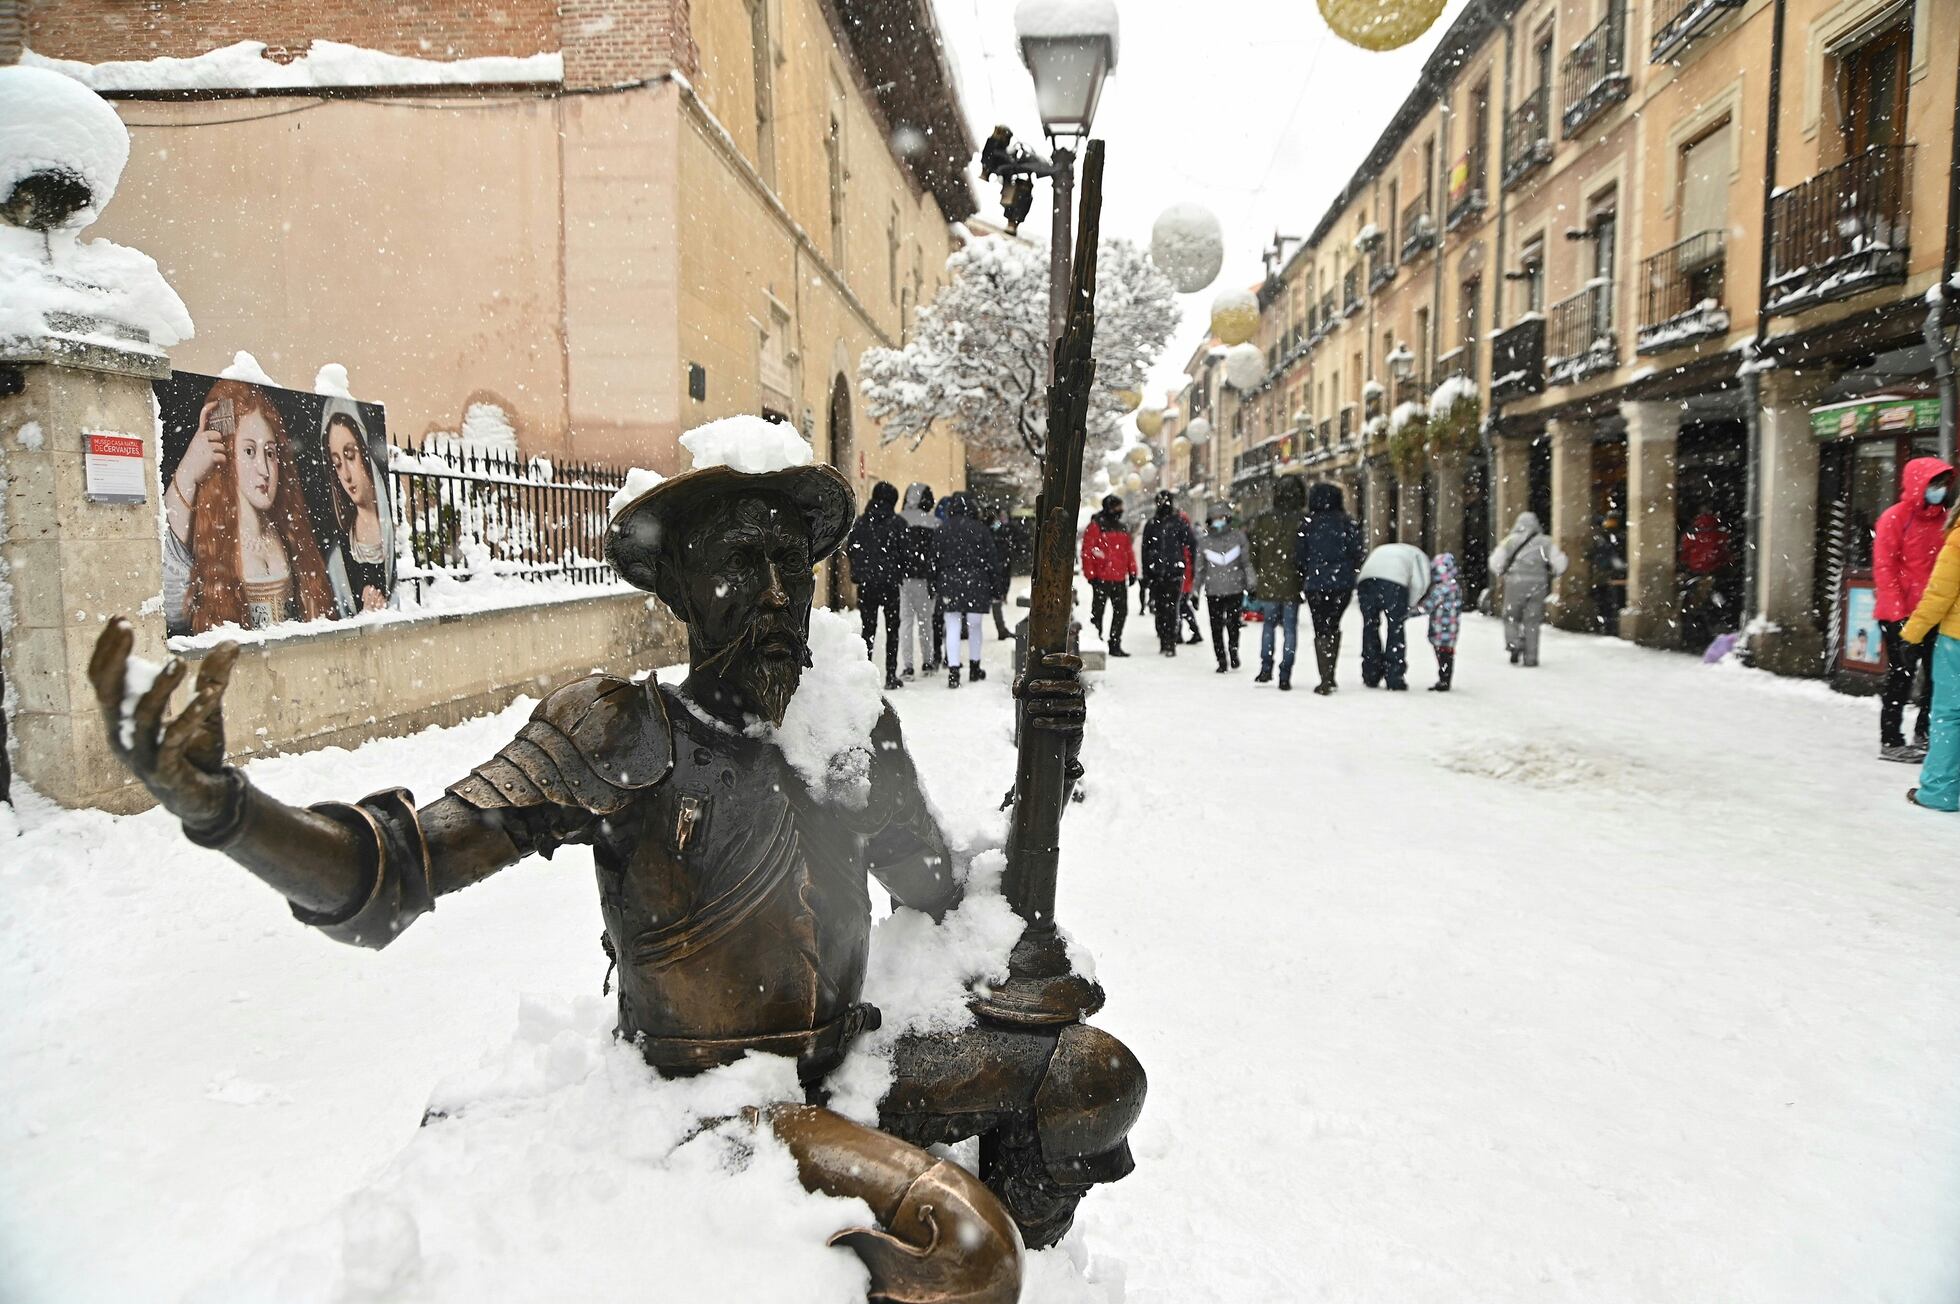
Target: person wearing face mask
[(1224, 575), (1167, 545), (1905, 544)]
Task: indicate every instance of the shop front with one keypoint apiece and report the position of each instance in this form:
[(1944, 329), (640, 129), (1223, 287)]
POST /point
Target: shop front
[(1867, 443)]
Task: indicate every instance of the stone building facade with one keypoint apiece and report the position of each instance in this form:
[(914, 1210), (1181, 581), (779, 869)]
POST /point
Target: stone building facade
[(1678, 275)]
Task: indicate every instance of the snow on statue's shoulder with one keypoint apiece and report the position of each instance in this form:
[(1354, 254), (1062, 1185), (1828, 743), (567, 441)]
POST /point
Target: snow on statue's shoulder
[(826, 733), (747, 443)]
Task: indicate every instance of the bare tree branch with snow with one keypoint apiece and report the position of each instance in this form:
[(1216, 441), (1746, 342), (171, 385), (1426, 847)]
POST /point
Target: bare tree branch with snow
[(978, 357)]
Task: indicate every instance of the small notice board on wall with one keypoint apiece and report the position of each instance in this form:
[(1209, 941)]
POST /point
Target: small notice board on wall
[(112, 468)]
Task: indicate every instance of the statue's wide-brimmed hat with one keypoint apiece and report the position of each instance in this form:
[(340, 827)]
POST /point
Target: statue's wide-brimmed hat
[(820, 492)]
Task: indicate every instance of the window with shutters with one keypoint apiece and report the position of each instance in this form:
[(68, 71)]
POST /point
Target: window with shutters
[(1705, 167)]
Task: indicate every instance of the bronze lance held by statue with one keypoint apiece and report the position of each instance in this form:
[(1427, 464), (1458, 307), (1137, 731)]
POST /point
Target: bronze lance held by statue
[(1042, 988)]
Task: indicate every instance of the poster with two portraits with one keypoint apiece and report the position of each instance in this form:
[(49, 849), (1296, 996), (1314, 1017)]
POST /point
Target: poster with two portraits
[(275, 505)]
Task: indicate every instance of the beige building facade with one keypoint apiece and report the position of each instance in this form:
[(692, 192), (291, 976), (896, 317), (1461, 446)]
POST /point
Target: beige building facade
[(1677, 275), (714, 209)]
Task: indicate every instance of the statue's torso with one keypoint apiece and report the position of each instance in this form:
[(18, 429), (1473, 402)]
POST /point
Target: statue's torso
[(735, 905)]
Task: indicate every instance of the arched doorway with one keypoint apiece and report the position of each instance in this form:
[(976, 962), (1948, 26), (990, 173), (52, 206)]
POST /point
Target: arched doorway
[(843, 456)]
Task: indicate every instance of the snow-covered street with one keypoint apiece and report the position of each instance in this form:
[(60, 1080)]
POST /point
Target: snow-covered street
[(1623, 979)]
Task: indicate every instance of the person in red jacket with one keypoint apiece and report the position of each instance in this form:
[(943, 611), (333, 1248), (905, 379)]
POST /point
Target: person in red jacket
[(1904, 546), (1109, 563)]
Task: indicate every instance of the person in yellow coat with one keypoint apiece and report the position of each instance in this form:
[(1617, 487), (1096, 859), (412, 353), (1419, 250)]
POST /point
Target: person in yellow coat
[(1938, 617)]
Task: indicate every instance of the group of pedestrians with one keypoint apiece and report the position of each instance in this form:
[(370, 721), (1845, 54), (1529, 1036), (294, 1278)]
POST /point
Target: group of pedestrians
[(1306, 551), (933, 572), (1916, 584)]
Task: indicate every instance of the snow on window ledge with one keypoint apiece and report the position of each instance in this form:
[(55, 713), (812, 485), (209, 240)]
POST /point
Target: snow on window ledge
[(243, 66)]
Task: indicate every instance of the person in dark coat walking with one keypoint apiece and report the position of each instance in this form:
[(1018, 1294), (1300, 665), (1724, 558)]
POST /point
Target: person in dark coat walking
[(1167, 548), (1003, 532), (1328, 553), (1277, 594), (1109, 563), (965, 571), (876, 549)]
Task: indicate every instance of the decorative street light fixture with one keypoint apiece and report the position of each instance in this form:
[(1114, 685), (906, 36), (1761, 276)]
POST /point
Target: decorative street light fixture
[(1069, 49)]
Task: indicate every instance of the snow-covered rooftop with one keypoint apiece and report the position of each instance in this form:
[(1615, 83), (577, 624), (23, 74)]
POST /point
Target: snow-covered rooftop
[(243, 66)]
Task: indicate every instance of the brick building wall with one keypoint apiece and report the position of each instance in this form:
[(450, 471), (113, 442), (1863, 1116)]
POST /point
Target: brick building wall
[(605, 42), (97, 31)]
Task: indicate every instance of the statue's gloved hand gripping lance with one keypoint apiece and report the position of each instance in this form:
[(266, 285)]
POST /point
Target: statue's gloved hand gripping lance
[(735, 898)]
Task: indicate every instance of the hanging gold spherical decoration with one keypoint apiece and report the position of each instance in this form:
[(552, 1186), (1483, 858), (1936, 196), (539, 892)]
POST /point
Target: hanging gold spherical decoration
[(1150, 420), (1133, 483), (1130, 399), (1380, 24), (1139, 456), (1234, 316), (1180, 446)]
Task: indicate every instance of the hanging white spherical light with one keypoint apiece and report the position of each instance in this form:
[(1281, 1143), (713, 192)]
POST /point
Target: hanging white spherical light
[(1188, 246), (1198, 432), (1245, 366), (1133, 483), (1234, 316), (1148, 474)]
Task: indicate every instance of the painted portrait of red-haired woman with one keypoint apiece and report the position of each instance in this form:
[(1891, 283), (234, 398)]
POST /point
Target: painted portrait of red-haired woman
[(239, 548)]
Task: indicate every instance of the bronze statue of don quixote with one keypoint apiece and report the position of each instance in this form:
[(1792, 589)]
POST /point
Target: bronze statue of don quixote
[(711, 852)]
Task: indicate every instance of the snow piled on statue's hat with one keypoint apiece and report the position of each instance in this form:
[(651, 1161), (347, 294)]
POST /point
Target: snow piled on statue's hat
[(749, 444), (638, 481)]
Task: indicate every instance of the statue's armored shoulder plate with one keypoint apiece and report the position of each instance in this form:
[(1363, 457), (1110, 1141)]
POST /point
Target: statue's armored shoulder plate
[(591, 745)]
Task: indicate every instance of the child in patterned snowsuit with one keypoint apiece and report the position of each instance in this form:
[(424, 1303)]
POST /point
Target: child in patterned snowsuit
[(1444, 603)]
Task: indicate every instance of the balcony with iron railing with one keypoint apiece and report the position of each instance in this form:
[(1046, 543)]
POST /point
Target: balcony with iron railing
[(1471, 203), (1351, 291), (1329, 317), (1528, 136), (1677, 23), (1842, 232), (1579, 337), (1255, 461), (1593, 76), (1682, 295), (1381, 267), (1418, 229), (1517, 360)]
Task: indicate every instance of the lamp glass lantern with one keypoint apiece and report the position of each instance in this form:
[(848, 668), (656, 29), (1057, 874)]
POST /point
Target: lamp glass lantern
[(1401, 362), (1068, 74)]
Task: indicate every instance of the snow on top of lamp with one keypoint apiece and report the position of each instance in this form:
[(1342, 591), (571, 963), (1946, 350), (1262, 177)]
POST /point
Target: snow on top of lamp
[(1245, 366), (1188, 245), (1234, 316), (1069, 47), (1050, 18)]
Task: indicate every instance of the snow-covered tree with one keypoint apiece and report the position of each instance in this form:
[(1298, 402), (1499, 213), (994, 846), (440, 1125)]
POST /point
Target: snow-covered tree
[(978, 358)]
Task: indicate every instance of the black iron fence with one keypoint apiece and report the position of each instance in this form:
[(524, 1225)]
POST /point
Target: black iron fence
[(1579, 338), (1418, 229), (1677, 22), (467, 512), (1841, 232)]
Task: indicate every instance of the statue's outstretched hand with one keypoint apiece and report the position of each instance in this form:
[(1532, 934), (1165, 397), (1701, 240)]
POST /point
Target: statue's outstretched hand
[(181, 761)]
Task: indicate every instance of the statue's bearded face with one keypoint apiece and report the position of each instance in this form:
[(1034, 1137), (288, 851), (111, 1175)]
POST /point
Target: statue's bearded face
[(745, 571)]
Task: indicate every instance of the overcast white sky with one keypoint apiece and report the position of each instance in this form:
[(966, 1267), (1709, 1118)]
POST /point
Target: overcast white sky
[(1250, 107)]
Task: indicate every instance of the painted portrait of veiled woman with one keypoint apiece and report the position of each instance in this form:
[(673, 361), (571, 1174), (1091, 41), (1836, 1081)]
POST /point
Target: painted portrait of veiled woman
[(361, 556)]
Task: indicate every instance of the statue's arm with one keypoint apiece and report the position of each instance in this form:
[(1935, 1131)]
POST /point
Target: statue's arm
[(361, 871), (906, 849)]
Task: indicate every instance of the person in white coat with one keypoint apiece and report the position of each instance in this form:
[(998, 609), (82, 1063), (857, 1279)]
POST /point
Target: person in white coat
[(1392, 580), (1527, 562)]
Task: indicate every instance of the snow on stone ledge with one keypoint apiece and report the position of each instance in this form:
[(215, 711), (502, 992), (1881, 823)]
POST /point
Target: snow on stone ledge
[(747, 443), (326, 63), (47, 123), (1051, 18)]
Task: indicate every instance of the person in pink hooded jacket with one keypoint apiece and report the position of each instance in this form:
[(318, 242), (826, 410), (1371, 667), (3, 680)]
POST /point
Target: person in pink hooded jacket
[(1904, 546)]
